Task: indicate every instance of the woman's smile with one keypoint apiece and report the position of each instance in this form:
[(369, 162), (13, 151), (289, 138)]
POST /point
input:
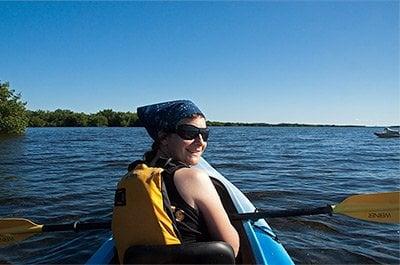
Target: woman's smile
[(187, 151)]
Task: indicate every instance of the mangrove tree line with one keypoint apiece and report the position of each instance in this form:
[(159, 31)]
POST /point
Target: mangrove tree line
[(68, 118), (14, 117), (13, 113)]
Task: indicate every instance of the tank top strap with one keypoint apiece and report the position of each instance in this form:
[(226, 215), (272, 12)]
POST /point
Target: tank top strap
[(190, 221), (170, 165)]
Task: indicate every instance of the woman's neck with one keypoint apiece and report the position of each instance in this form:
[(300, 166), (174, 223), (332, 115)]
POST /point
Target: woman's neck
[(159, 155)]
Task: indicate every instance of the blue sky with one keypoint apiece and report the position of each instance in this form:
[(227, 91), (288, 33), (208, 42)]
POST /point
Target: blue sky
[(307, 62)]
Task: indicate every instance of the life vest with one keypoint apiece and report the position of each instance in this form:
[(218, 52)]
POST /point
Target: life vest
[(142, 213)]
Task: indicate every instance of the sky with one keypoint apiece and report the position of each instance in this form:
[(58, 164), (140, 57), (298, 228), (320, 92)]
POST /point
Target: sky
[(322, 62)]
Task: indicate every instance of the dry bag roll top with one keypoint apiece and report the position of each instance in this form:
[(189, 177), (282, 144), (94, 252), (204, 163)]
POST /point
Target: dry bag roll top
[(142, 213)]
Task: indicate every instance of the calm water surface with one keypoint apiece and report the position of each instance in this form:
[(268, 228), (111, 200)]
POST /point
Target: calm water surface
[(60, 175)]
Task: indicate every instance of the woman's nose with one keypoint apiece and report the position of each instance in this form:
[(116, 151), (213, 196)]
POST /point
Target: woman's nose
[(199, 139)]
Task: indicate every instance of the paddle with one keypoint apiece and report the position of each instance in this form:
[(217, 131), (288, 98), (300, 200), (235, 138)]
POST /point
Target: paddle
[(375, 207), (18, 229)]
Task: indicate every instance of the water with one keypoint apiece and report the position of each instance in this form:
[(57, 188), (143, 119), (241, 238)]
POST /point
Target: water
[(60, 175)]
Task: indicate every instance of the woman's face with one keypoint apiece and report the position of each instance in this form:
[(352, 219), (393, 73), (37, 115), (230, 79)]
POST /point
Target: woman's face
[(187, 151)]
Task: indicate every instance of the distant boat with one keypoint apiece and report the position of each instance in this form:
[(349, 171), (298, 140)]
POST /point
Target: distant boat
[(389, 132)]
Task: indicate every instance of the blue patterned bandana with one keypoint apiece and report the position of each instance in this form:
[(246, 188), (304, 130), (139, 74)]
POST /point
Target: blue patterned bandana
[(165, 116)]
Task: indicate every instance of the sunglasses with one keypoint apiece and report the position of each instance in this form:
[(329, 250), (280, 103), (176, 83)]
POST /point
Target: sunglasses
[(190, 132)]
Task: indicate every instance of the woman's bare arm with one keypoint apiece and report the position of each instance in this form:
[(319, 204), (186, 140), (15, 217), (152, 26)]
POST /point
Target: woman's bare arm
[(196, 188)]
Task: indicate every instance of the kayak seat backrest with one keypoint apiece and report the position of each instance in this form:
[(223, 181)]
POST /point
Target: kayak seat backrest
[(190, 253)]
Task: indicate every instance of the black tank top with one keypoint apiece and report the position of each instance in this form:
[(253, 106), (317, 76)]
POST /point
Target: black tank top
[(189, 221)]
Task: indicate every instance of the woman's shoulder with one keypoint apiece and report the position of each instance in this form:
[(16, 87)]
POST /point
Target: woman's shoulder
[(193, 172), (193, 175), (194, 185)]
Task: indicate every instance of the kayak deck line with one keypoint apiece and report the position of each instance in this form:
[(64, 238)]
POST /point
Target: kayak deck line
[(266, 231)]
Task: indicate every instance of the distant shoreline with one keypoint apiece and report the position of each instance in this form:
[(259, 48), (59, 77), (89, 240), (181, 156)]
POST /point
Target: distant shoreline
[(111, 118), (231, 124), (243, 124)]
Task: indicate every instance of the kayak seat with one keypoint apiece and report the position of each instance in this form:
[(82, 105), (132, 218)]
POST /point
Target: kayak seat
[(215, 252)]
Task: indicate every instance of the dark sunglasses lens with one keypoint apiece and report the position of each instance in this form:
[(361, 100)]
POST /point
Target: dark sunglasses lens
[(187, 134), (190, 132), (205, 133)]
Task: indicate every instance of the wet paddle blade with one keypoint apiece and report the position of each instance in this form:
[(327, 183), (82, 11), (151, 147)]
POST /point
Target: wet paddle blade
[(17, 229), (376, 207)]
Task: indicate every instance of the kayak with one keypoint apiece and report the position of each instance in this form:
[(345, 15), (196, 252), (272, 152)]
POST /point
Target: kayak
[(258, 243)]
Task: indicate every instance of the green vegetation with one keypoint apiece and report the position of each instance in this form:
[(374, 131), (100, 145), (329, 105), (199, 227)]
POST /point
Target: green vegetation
[(14, 118), (110, 118), (68, 118), (13, 114)]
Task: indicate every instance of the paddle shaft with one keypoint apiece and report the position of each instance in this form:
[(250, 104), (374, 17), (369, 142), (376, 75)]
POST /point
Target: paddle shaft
[(77, 226), (282, 213)]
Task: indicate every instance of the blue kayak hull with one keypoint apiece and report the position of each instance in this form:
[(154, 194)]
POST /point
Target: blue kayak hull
[(263, 244)]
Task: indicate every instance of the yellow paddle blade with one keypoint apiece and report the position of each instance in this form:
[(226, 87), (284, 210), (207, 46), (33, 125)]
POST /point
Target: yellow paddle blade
[(16, 229), (375, 207)]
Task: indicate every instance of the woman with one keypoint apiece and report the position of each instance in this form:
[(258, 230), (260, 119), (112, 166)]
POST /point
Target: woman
[(180, 136)]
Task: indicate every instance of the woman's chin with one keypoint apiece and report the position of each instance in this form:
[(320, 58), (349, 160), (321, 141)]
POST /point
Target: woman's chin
[(193, 160)]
